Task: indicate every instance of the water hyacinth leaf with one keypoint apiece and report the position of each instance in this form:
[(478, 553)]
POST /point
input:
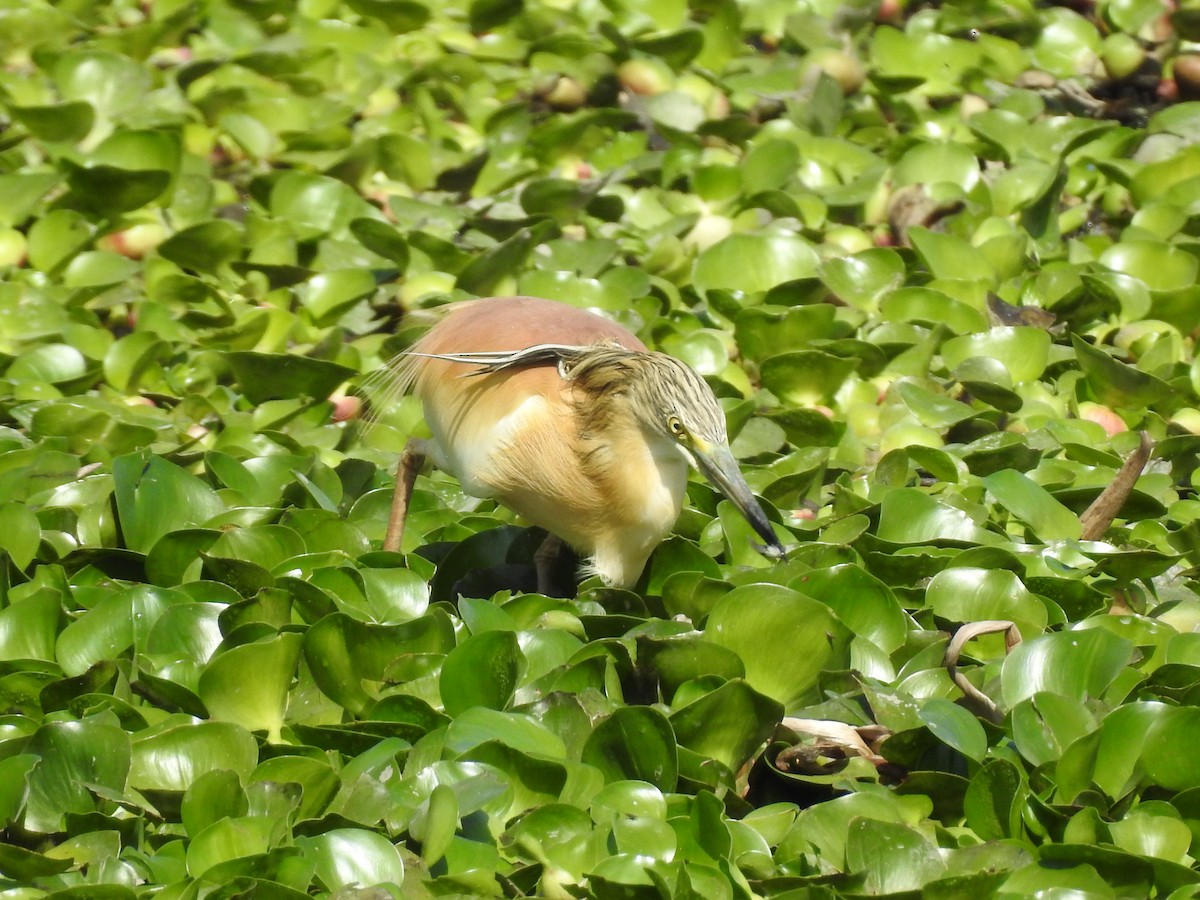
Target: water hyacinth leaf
[(176, 555), (928, 306), (634, 743), (130, 357), (676, 111), (174, 759), (955, 726), (968, 594), (1115, 383), (73, 755), (228, 840), (68, 122), (727, 724), (753, 263), (441, 822), (862, 602), (994, 800), (890, 857), (1159, 836), (479, 724), (275, 376), (400, 17), (248, 685), (316, 778), (51, 363), (806, 377), (932, 409), (864, 279), (382, 239), (316, 205), (1079, 664), (763, 331), (1047, 723), (1161, 266), (56, 237), (931, 163), (110, 627), (213, 796), (329, 295), (20, 193), (949, 257), (14, 784), (484, 272), (1033, 504), (110, 190), (744, 621), (20, 864), (675, 661), (343, 653), (769, 165), (560, 835), (1168, 758), (1023, 350), (910, 516), (22, 533), (203, 247), (28, 629), (155, 497), (98, 268), (481, 671)]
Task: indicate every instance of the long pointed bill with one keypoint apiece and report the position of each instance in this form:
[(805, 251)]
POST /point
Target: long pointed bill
[(717, 464)]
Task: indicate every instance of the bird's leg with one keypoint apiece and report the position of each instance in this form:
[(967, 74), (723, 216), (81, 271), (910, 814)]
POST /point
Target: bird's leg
[(411, 461), (548, 562)]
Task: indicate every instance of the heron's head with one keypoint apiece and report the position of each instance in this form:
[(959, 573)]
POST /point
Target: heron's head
[(670, 399)]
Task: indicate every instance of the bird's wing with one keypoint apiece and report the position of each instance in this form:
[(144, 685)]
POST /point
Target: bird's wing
[(499, 360)]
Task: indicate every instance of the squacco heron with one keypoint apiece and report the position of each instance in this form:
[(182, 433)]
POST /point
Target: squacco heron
[(567, 419)]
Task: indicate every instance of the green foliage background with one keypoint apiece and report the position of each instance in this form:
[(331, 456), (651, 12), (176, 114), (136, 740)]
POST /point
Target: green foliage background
[(938, 261)]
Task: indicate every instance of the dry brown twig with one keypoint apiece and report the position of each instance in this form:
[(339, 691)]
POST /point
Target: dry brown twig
[(1097, 517)]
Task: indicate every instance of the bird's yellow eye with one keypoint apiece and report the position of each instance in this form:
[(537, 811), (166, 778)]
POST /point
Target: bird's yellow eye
[(675, 426)]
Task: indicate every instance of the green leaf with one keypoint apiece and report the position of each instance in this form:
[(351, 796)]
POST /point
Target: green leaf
[(343, 653), (1023, 350), (994, 801), (1032, 503), (727, 724), (890, 857), (955, 727), (203, 247), (248, 685), (744, 621), (753, 263), (22, 533), (347, 858), (968, 594), (155, 497), (173, 759), (806, 377), (68, 122), (634, 743), (275, 376), (1080, 664), (110, 190), (1115, 383), (481, 671), (73, 756)]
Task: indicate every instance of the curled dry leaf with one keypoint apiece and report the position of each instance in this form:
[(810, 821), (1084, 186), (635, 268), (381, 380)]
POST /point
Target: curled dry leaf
[(962, 637), (833, 741)]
